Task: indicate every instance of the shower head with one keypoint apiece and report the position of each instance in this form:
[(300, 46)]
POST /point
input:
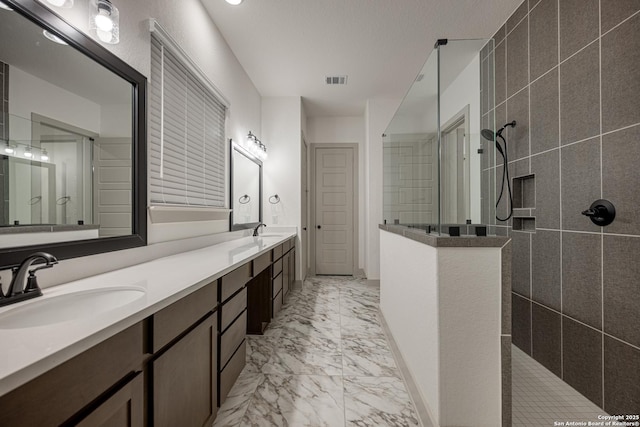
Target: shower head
[(489, 135)]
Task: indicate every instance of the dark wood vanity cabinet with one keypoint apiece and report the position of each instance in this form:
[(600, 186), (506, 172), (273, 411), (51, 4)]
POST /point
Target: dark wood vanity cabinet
[(183, 372), (104, 380), (283, 270)]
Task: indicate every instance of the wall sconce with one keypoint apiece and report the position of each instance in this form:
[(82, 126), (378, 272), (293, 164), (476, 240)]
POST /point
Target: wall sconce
[(104, 21), (256, 147), (8, 148), (27, 152), (44, 156), (61, 3)]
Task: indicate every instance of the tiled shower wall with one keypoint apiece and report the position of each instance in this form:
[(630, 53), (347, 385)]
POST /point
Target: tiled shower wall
[(568, 71)]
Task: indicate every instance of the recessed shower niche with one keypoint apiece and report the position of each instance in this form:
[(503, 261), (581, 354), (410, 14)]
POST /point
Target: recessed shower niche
[(524, 203)]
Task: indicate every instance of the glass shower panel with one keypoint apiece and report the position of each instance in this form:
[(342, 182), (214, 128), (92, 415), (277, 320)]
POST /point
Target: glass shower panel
[(438, 170), (410, 154)]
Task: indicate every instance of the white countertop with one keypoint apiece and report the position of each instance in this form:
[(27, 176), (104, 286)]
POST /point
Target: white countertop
[(29, 352)]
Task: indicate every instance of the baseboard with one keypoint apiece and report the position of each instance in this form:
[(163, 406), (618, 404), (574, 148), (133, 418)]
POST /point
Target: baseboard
[(424, 415)]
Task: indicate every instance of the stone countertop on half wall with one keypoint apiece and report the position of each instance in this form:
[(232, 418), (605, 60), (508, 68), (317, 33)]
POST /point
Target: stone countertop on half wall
[(436, 241)]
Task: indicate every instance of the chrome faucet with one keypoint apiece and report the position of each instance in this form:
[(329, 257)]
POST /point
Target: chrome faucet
[(17, 290), (255, 230)]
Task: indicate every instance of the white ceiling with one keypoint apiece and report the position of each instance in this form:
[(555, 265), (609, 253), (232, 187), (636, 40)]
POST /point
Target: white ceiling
[(287, 47)]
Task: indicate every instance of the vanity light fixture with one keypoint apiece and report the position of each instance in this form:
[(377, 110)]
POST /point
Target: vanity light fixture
[(256, 147), (44, 156), (234, 2), (53, 37), (8, 148), (28, 153), (61, 3), (104, 21), (4, 6)]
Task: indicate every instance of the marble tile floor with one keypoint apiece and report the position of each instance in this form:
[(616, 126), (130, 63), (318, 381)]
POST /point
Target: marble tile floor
[(323, 361), (540, 399)]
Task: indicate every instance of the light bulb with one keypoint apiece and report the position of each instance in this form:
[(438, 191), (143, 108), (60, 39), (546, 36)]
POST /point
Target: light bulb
[(8, 149), (28, 153), (234, 2), (4, 6), (53, 37), (44, 156), (103, 21)]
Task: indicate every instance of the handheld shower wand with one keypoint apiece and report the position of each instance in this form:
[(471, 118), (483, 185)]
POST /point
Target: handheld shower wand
[(490, 135)]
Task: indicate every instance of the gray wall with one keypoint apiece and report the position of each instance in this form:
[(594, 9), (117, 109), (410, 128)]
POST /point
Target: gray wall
[(568, 72)]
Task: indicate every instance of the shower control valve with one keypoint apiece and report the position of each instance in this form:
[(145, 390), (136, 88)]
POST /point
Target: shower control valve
[(602, 212)]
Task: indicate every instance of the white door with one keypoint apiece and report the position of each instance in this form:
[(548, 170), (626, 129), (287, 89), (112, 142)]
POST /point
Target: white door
[(334, 228)]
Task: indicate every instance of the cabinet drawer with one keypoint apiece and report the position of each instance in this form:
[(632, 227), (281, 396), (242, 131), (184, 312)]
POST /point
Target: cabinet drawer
[(230, 373), (277, 252), (277, 304), (232, 337), (260, 263), (235, 280), (171, 321), (277, 286), (57, 395), (276, 268), (232, 308), (286, 246)]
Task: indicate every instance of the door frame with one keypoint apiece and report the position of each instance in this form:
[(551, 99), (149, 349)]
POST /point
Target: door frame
[(454, 122), (356, 197)]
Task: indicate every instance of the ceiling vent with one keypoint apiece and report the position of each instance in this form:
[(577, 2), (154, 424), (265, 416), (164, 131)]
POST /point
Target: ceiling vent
[(336, 80)]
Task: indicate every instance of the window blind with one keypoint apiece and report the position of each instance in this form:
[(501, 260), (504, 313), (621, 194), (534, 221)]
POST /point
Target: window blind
[(186, 134)]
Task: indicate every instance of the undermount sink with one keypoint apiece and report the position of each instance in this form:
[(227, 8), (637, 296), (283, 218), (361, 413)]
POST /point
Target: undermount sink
[(270, 235), (71, 306)]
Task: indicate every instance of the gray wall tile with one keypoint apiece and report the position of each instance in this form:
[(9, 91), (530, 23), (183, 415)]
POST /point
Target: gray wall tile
[(501, 72), (521, 263), (543, 33), (518, 137), (517, 16), (546, 167), (621, 88), (505, 353), (621, 377), (620, 178), (546, 338), (579, 25), (500, 120), (620, 288), (499, 35), (582, 359), (580, 95), (580, 183), (521, 327), (502, 203), (518, 58), (545, 118), (545, 268), (506, 255), (615, 11), (581, 277)]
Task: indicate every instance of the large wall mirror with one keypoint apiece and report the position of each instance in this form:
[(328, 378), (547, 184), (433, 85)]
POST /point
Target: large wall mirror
[(72, 140), (246, 189)]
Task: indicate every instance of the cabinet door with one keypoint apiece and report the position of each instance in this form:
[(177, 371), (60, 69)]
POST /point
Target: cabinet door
[(185, 378), (123, 409)]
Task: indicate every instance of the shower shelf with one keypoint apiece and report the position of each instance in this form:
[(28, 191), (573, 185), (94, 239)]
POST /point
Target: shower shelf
[(524, 192), (524, 224)]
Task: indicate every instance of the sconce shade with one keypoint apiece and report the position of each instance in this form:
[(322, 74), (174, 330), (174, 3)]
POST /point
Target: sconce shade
[(104, 21)]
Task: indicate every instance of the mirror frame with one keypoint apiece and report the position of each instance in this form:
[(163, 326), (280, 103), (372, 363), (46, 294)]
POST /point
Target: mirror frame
[(47, 19), (232, 226)]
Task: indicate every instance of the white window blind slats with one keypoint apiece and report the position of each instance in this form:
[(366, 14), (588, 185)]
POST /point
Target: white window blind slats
[(187, 155)]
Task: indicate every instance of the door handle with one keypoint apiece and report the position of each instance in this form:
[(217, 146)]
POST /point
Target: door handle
[(319, 227)]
